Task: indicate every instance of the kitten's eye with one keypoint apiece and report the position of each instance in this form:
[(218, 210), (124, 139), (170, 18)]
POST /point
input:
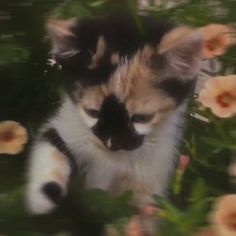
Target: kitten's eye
[(141, 118), (92, 112)]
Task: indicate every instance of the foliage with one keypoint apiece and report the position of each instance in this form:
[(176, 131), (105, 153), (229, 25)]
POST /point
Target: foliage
[(30, 91)]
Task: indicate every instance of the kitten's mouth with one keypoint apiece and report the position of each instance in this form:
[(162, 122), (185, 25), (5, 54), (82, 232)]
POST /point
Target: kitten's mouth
[(108, 144), (125, 147)]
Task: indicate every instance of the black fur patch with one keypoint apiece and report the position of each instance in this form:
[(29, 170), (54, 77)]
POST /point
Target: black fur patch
[(114, 124), (176, 88), (74, 70), (122, 34), (53, 191)]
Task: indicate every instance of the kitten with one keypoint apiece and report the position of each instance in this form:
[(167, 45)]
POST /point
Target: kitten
[(121, 117)]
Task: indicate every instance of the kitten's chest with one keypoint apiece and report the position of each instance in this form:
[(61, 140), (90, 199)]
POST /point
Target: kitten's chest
[(151, 164), (145, 170)]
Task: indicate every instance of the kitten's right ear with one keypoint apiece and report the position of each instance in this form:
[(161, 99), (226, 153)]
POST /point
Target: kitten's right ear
[(62, 37)]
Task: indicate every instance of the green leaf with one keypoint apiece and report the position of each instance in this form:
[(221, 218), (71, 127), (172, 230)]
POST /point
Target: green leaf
[(172, 213), (96, 3), (107, 206), (199, 191), (233, 133), (214, 142)]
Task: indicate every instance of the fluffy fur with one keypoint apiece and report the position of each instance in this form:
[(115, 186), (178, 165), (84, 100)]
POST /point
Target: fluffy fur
[(123, 110)]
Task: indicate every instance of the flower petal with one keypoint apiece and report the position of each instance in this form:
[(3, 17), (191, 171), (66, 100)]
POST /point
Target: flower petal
[(223, 216), (218, 38)]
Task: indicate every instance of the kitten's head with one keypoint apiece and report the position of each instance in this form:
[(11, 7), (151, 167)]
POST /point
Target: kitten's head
[(123, 79)]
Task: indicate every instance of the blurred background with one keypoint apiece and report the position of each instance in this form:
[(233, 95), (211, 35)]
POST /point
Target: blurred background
[(30, 89)]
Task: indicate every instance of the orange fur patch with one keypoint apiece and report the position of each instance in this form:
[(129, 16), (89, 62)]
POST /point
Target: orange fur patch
[(100, 51), (133, 84)]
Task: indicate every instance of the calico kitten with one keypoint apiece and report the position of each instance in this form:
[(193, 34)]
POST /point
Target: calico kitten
[(121, 117)]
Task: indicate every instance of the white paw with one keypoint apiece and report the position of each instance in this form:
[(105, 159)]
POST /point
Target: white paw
[(43, 199)]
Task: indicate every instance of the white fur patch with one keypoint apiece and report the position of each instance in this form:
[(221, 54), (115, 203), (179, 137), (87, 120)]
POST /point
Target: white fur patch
[(42, 168), (150, 165), (88, 120), (143, 129)]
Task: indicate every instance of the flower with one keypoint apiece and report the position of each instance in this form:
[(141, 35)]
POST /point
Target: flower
[(218, 38), (12, 137), (223, 216), (206, 232), (183, 162), (219, 94), (134, 227)]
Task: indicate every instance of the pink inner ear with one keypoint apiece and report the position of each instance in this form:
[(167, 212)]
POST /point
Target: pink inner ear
[(183, 57), (173, 38)]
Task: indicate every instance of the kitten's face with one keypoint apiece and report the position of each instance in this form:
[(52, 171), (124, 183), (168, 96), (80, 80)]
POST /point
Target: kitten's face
[(122, 111), (123, 97)]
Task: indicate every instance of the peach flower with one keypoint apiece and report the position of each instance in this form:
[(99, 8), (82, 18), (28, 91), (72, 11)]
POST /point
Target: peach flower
[(223, 216), (12, 137), (150, 210), (134, 227), (219, 94), (218, 38), (206, 232)]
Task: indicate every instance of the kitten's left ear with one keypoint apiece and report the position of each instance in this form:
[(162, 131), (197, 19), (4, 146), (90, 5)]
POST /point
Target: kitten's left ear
[(62, 37), (181, 51)]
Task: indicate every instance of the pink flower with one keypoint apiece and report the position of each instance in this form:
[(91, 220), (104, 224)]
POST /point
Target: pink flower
[(150, 210), (223, 216), (219, 94), (12, 137), (206, 232), (134, 227), (183, 162), (218, 38)]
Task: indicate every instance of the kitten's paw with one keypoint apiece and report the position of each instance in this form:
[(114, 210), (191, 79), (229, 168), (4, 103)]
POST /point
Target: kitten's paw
[(45, 199)]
